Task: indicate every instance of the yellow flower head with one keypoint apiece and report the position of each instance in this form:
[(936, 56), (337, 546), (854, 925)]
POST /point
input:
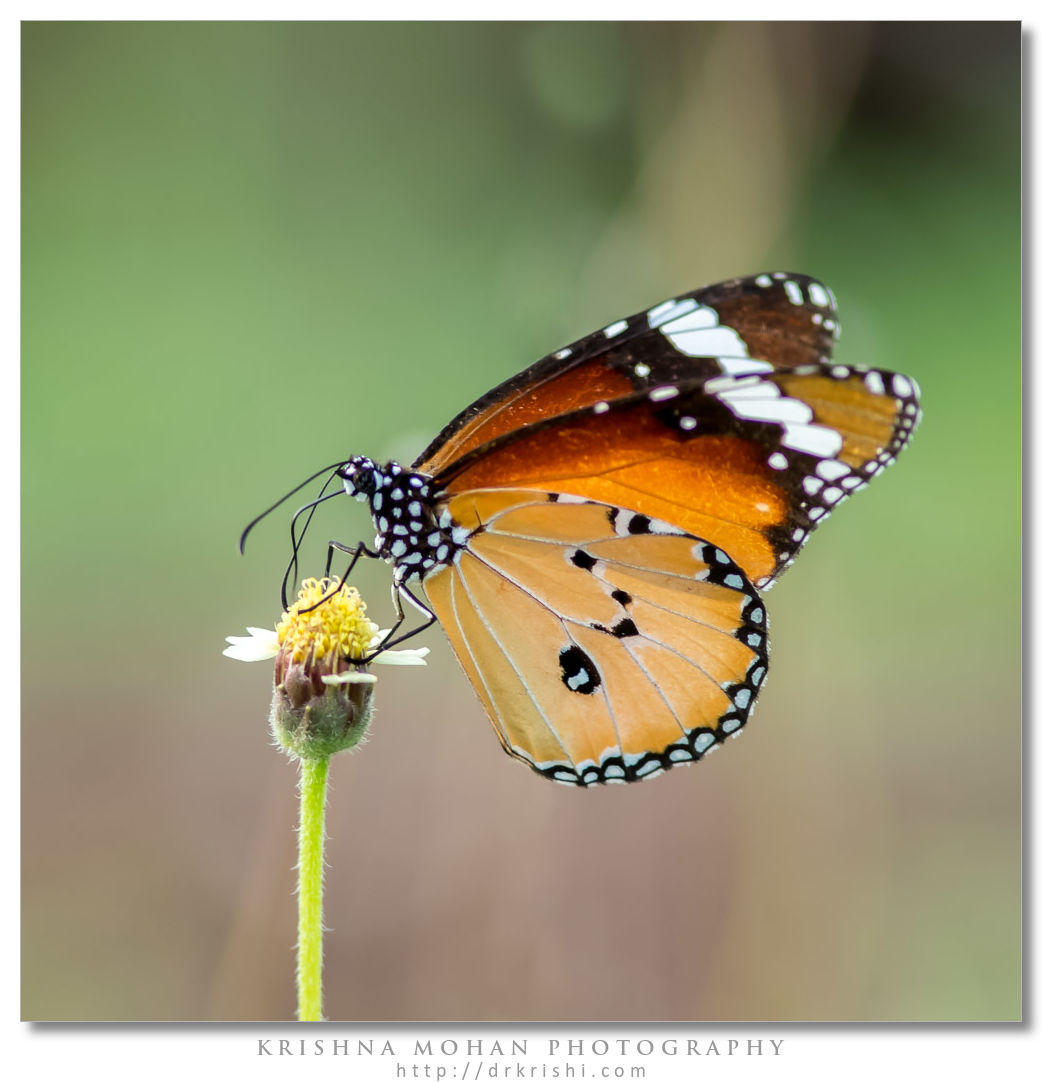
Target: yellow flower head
[(322, 701), (326, 623)]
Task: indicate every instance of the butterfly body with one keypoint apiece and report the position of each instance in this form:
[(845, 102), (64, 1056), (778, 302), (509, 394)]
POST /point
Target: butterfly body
[(413, 534), (594, 533)]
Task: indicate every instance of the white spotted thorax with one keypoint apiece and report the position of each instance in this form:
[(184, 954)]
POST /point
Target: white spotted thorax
[(410, 533)]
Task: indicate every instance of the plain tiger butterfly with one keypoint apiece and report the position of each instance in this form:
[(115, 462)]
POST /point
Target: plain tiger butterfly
[(594, 534)]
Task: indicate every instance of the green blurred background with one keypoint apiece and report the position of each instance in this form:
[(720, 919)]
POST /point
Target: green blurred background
[(251, 249)]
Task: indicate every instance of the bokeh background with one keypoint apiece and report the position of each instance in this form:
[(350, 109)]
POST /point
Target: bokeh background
[(252, 249)]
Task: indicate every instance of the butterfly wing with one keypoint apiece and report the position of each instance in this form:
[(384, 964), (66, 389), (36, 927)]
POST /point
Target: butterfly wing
[(605, 647), (752, 463), (756, 324)]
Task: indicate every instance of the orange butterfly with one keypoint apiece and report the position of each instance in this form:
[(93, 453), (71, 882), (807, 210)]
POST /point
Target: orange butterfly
[(593, 533)]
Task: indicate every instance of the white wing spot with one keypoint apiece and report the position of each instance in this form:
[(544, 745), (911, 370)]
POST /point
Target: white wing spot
[(818, 295), (778, 461), (615, 329), (661, 394), (687, 423), (793, 292), (698, 333), (601, 407), (814, 439), (902, 386), (668, 310), (874, 382), (830, 469), (641, 369)]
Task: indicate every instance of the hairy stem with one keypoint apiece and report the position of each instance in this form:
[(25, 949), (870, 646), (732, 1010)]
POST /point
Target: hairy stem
[(311, 842)]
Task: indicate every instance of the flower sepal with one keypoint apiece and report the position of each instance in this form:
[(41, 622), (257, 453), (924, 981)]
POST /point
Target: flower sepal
[(311, 723)]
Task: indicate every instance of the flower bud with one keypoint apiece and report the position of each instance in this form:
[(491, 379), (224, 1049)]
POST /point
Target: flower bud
[(323, 699)]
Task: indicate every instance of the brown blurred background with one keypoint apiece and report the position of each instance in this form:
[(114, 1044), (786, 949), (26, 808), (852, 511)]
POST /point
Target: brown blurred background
[(250, 249)]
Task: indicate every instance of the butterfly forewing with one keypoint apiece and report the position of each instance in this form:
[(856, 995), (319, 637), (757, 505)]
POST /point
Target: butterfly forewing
[(744, 325), (751, 463), (604, 647)]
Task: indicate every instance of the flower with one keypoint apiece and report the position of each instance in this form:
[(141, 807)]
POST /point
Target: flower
[(322, 646)]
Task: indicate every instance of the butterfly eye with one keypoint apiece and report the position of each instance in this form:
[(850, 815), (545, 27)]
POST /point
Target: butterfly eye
[(359, 477)]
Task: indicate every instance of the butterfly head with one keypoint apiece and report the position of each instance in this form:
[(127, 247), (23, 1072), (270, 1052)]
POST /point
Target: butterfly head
[(362, 477)]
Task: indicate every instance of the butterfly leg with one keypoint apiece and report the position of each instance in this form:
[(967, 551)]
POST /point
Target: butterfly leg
[(355, 553), (429, 618)]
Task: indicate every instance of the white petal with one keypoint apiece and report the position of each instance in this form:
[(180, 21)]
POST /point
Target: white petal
[(350, 677), (262, 644), (402, 657)]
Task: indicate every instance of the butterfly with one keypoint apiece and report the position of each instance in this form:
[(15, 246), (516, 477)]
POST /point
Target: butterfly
[(595, 533)]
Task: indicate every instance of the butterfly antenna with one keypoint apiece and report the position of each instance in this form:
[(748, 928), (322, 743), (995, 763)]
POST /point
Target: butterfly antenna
[(318, 473), (296, 542)]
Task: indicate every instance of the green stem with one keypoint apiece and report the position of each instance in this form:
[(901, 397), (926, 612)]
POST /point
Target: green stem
[(311, 840)]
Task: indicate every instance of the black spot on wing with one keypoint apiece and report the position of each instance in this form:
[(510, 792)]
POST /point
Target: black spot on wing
[(624, 629), (578, 671)]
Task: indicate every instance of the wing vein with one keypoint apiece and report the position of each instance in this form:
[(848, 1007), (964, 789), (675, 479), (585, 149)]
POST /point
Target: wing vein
[(509, 659)]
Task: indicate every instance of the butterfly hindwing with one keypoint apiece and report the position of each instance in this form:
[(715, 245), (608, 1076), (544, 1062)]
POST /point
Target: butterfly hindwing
[(754, 324), (605, 646)]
